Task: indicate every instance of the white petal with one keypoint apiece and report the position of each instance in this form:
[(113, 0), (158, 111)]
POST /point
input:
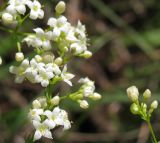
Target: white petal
[(46, 45), (33, 15), (56, 32), (19, 79), (39, 32), (48, 113), (37, 135), (48, 134), (52, 22), (50, 123), (21, 9), (29, 4), (36, 123), (45, 83), (41, 14), (68, 82)]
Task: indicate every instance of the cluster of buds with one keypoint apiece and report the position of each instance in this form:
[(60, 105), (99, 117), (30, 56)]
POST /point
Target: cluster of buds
[(45, 115), (53, 47), (141, 108), (87, 90), (17, 8)]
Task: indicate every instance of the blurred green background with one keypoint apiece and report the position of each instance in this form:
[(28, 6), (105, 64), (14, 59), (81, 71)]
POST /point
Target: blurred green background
[(125, 39)]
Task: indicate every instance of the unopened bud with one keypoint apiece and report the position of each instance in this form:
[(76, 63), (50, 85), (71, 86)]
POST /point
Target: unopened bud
[(83, 104), (38, 58), (87, 54), (60, 7), (147, 94), (58, 61), (154, 104), (133, 93), (55, 100), (19, 56), (36, 104), (95, 96), (134, 109), (7, 18)]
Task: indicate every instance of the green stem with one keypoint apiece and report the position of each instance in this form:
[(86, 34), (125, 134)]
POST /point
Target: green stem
[(152, 132)]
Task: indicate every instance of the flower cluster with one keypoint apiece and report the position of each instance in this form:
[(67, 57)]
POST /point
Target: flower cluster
[(42, 69), (54, 47), (44, 120), (141, 108), (16, 8), (68, 40)]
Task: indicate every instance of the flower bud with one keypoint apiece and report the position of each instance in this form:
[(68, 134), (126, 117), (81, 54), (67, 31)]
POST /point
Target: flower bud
[(19, 56), (147, 94), (154, 104), (7, 18), (83, 104), (60, 7), (95, 96), (58, 61), (38, 58), (134, 109), (87, 54), (144, 107), (36, 104), (55, 100), (43, 102), (133, 93)]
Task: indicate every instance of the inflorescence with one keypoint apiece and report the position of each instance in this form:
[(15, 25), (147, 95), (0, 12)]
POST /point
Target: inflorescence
[(54, 47)]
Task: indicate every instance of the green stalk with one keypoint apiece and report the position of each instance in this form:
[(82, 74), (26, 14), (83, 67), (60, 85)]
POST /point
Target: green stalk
[(152, 132)]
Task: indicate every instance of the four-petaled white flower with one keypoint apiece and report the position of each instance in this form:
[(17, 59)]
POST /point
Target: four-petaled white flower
[(66, 77), (42, 39), (20, 71), (53, 118), (36, 11), (59, 25), (34, 114), (16, 6), (41, 130)]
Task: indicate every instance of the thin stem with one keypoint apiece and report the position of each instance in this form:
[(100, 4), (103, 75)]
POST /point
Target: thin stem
[(152, 132)]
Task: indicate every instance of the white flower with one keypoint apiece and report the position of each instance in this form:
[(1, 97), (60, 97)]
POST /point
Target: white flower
[(57, 117), (42, 39), (66, 122), (54, 118), (31, 41), (31, 72), (80, 45), (45, 74), (16, 6), (88, 86), (20, 71), (34, 114), (36, 11), (59, 25), (41, 130), (66, 77)]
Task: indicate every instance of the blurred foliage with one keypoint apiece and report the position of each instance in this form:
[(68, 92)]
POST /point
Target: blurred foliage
[(125, 38)]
